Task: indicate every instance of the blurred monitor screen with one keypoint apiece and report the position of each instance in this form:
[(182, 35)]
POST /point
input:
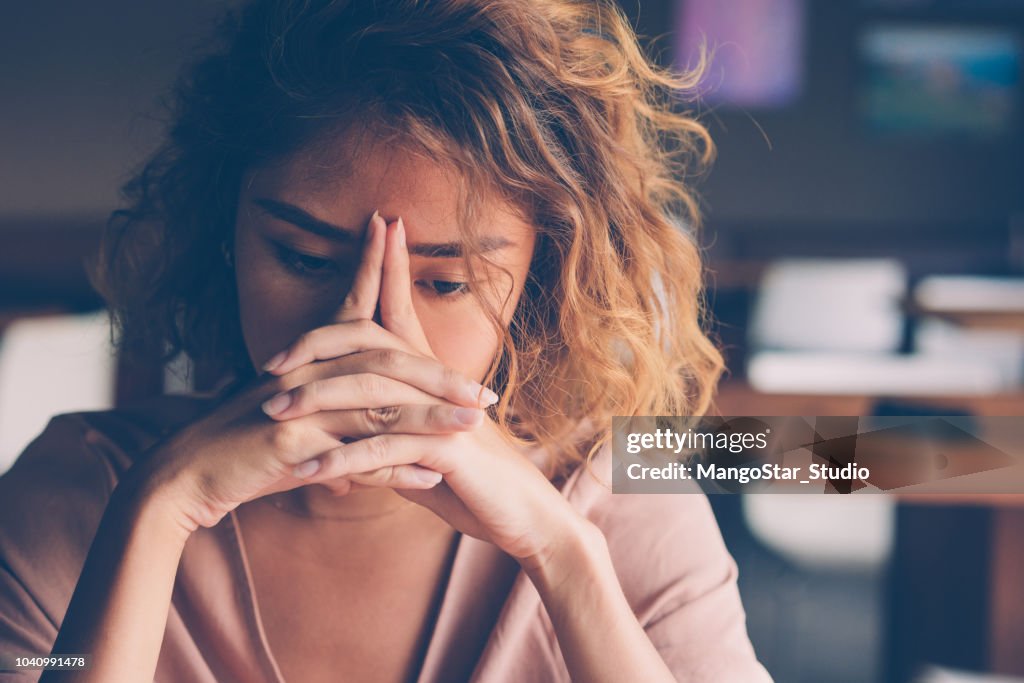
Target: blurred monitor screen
[(941, 80), (757, 48)]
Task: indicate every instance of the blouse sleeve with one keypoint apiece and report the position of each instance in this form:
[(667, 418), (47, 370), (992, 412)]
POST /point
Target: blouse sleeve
[(681, 581), (51, 501)]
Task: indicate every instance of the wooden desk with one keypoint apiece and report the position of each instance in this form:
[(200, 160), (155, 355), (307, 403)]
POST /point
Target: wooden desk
[(980, 320), (739, 398)]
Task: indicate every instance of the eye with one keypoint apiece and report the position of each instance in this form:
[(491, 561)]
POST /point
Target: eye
[(445, 289), (303, 264)]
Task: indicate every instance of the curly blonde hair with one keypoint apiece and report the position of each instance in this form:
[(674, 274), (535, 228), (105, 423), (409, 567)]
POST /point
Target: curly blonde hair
[(550, 105)]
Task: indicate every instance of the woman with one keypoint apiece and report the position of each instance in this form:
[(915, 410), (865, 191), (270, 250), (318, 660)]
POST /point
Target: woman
[(429, 245)]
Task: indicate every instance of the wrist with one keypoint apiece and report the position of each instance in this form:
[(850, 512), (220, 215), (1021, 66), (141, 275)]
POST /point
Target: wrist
[(155, 502), (142, 516), (578, 546)]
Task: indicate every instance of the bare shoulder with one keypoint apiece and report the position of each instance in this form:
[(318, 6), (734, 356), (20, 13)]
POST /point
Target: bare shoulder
[(56, 490), (71, 442)]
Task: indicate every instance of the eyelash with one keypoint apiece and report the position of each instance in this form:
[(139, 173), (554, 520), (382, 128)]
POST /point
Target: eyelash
[(461, 289), (300, 264)]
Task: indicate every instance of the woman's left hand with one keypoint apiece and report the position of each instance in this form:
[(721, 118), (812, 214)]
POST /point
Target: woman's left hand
[(490, 490)]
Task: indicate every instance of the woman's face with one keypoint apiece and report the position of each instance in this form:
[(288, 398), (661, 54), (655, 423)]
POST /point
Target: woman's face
[(298, 240)]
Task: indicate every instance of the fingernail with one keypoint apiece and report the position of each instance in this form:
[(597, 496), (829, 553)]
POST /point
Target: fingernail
[(371, 227), (479, 392), (277, 404), (306, 469), (467, 416), (275, 361), (401, 232), (429, 477)]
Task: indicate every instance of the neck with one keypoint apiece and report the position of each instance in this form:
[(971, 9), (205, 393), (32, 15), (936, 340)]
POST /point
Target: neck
[(315, 527)]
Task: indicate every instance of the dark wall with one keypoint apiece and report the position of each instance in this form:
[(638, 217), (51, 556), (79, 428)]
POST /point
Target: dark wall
[(814, 169), (80, 84), (81, 80)]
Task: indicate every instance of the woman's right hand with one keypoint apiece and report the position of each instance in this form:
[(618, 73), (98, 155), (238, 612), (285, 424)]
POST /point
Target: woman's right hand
[(378, 384)]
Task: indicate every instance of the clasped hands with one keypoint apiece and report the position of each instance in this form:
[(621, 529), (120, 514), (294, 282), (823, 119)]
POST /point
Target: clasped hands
[(402, 419)]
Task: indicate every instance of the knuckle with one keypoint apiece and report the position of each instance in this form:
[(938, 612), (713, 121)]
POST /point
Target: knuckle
[(381, 419), (437, 416), (286, 437), (387, 474), (377, 449), (334, 462), (388, 359), (381, 476)]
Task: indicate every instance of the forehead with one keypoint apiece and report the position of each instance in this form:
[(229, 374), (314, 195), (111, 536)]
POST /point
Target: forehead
[(344, 181)]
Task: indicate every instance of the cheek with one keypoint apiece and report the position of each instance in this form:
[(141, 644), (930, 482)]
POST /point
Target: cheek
[(466, 343), (273, 310), (463, 337)]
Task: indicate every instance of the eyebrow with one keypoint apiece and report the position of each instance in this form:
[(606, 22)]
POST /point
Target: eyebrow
[(303, 220)]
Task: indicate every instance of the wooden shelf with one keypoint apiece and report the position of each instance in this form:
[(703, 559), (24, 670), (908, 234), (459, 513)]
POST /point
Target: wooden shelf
[(739, 398)]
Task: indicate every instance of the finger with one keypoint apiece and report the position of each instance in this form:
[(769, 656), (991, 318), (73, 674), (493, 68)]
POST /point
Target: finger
[(361, 301), (402, 419), (435, 452), (424, 373), (347, 392), (338, 487), (334, 341), (396, 308), (399, 477), (396, 477)]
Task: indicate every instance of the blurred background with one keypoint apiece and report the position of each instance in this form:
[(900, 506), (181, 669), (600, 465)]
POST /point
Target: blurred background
[(864, 232)]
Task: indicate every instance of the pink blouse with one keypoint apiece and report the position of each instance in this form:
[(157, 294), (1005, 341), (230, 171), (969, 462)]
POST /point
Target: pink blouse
[(491, 628)]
